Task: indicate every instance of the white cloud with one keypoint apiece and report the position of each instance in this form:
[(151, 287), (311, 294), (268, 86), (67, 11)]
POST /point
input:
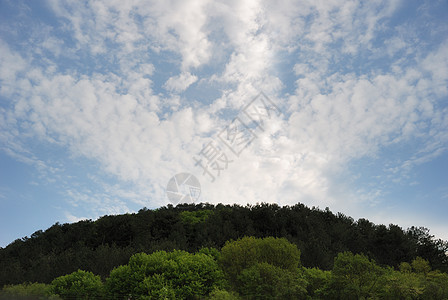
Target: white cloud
[(337, 111), (181, 82), (72, 219)]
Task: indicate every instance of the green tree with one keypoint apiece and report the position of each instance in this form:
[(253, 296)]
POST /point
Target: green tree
[(316, 280), (401, 285), (195, 217), (266, 281), (436, 285), (421, 265), (246, 252), (263, 268), (173, 275), (354, 277), (122, 281), (78, 285)]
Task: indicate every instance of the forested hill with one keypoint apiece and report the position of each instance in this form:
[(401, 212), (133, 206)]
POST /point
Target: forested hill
[(100, 245)]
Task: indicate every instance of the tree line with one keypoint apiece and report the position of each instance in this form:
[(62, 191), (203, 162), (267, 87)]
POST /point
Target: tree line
[(248, 268), (100, 246)]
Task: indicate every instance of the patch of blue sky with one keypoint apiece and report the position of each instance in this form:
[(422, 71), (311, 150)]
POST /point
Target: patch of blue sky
[(421, 185), (25, 196), (283, 69)]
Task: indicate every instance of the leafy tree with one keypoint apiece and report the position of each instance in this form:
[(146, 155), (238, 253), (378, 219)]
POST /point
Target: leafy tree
[(122, 281), (263, 268), (401, 285), (316, 280), (246, 252), (195, 217), (429, 248), (436, 285), (78, 285), (421, 265), (175, 275), (354, 277), (266, 281)]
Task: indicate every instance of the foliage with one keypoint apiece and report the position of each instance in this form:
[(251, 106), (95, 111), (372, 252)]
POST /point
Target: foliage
[(36, 291), (219, 294), (78, 285), (316, 280), (354, 276), (266, 281), (261, 268), (195, 217), (417, 262), (109, 242), (248, 251), (173, 275)]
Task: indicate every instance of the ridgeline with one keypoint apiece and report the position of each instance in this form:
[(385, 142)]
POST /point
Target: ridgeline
[(99, 246)]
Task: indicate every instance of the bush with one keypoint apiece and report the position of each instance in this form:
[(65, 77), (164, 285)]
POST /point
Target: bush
[(78, 285)]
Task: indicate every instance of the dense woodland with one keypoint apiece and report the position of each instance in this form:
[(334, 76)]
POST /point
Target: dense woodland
[(322, 244)]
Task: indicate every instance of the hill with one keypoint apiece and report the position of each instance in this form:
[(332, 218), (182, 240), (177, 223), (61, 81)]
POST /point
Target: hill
[(99, 246)]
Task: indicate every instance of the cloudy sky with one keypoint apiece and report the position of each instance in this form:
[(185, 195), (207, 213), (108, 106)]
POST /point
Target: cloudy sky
[(102, 102)]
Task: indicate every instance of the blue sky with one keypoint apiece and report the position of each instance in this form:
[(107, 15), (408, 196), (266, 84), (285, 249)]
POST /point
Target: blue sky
[(102, 102)]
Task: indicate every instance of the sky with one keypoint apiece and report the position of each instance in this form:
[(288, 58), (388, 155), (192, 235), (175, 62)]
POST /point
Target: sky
[(339, 104)]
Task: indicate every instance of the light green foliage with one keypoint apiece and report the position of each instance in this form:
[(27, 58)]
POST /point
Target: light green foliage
[(122, 281), (219, 294), (421, 266), (401, 285), (354, 276), (213, 252), (416, 282), (246, 252), (266, 281), (263, 268), (158, 287), (317, 279), (195, 217), (436, 286), (35, 291), (78, 285), (267, 268), (405, 267), (170, 275)]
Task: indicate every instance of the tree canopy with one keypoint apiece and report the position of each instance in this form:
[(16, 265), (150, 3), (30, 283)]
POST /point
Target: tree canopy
[(320, 235)]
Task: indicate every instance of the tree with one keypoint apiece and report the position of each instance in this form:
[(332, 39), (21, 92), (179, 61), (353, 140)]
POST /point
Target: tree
[(421, 265), (354, 277), (78, 285), (122, 282), (316, 280), (246, 252), (266, 281), (263, 268), (174, 275)]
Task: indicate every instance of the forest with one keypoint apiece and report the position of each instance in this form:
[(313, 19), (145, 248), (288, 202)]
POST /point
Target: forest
[(204, 251)]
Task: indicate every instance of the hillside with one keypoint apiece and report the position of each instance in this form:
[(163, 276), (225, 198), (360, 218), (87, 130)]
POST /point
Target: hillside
[(99, 246)]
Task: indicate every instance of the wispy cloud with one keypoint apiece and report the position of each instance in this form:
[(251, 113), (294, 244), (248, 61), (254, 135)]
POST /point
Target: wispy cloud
[(116, 84)]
